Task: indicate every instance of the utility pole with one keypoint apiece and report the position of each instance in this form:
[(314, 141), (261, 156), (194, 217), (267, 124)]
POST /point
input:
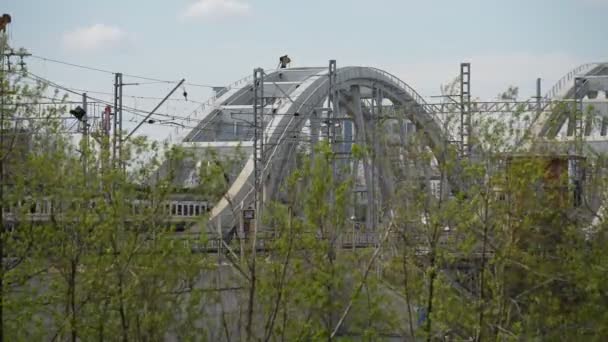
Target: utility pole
[(575, 124), (371, 188), (2, 156), (116, 141), (538, 96), (331, 105), (85, 138), (465, 109), (258, 162), (332, 113), (379, 96), (258, 138)]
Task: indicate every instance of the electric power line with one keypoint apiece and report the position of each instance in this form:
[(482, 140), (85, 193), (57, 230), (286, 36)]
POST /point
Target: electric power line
[(169, 117), (152, 79)]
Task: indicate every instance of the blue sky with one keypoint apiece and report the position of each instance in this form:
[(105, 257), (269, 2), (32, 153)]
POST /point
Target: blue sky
[(219, 41)]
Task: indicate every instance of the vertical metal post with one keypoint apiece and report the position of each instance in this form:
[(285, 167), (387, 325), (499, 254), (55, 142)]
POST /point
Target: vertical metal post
[(120, 156), (241, 233), (604, 127), (2, 155), (465, 109), (258, 139), (372, 180), (255, 138), (115, 122), (336, 114), (332, 114), (376, 119), (258, 156), (315, 123), (331, 103), (538, 96), (261, 122), (117, 136), (575, 124), (85, 137)]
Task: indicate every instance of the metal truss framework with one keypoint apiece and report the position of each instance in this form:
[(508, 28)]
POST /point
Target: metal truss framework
[(344, 106), (282, 102)]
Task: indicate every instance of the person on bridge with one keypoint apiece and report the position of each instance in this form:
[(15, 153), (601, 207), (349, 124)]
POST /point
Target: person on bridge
[(284, 61), (5, 19)]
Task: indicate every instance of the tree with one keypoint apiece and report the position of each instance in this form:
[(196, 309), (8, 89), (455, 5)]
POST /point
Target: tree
[(88, 253), (501, 256)]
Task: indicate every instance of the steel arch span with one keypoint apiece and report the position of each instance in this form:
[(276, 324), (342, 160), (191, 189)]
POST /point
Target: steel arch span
[(298, 97), (294, 98), (595, 76)]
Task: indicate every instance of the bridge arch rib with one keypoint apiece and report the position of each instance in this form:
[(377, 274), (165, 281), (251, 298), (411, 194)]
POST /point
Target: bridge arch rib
[(303, 91), (549, 124)]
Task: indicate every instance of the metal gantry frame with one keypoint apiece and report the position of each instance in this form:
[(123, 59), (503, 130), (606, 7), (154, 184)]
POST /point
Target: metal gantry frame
[(332, 101), (117, 122), (465, 109), (258, 140)]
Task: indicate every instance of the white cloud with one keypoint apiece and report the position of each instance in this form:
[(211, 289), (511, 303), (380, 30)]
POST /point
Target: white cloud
[(95, 38), (216, 9)]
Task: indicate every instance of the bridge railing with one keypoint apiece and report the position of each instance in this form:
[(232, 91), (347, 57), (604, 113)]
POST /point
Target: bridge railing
[(449, 241), (42, 209), (567, 80), (410, 91), (208, 106), (421, 104)]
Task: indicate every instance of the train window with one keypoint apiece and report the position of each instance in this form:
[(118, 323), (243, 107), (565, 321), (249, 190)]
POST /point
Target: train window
[(191, 210), (167, 208), (173, 207), (179, 210), (197, 210)]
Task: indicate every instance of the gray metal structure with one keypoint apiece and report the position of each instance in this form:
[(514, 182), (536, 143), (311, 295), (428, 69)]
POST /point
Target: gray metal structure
[(269, 113), (292, 100)]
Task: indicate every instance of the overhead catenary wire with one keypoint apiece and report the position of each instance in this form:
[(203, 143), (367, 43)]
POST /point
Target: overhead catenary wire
[(75, 92), (153, 80), (128, 108), (97, 69), (133, 96), (167, 118), (88, 91), (142, 113)]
